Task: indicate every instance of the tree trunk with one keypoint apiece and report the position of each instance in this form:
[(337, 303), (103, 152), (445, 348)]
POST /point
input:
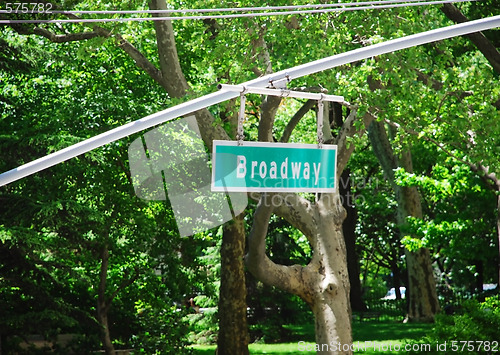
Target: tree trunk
[(330, 303), (396, 279), (233, 331), (422, 295), (324, 282), (349, 231), (423, 298), (498, 235), (423, 304), (109, 349), (103, 304)]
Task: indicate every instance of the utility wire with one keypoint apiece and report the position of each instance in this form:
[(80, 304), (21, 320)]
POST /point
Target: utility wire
[(321, 8), (232, 9)]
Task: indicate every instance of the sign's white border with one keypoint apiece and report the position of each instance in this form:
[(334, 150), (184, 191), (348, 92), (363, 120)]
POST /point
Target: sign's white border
[(269, 145)]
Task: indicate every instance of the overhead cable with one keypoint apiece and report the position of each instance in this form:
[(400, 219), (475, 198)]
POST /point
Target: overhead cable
[(321, 8), (230, 9)]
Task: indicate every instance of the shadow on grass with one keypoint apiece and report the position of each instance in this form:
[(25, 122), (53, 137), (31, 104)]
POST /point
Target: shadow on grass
[(368, 331), (206, 350), (378, 332), (258, 349)]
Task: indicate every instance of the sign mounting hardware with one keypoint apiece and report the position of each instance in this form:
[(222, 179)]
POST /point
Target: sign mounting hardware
[(282, 92), (277, 167)]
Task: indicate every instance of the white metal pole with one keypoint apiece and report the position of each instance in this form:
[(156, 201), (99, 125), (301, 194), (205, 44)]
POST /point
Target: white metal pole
[(113, 135), (280, 92), (220, 96)]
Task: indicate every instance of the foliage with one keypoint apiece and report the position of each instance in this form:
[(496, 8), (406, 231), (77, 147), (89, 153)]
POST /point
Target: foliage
[(459, 224), (203, 327), (52, 239), (477, 321), (162, 332), (378, 239), (53, 225)]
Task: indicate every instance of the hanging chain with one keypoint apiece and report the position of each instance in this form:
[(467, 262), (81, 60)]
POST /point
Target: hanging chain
[(241, 118), (320, 122)]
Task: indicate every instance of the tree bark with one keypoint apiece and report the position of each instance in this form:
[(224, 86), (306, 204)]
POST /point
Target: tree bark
[(173, 78), (103, 304), (175, 81), (396, 279), (498, 235), (348, 229), (478, 39), (423, 301), (324, 282), (424, 304), (233, 331), (331, 304)]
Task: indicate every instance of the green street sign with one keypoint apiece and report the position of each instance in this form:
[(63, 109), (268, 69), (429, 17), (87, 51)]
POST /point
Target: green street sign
[(273, 167)]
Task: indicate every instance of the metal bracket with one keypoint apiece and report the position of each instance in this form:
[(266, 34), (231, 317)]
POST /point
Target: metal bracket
[(279, 83), (241, 117), (283, 92), (321, 110)]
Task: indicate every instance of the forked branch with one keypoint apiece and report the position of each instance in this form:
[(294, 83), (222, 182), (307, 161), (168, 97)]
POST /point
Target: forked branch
[(288, 278)]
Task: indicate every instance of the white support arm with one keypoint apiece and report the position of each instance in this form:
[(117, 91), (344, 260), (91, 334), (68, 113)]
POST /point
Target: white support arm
[(221, 96), (280, 92)]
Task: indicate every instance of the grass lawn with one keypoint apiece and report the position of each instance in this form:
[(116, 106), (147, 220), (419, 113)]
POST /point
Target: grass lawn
[(381, 334)]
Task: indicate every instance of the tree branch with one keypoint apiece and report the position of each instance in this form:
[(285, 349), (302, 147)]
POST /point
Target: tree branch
[(382, 147), (141, 61), (299, 212), (173, 80), (260, 52), (491, 180), (287, 278), (123, 285), (24, 29), (478, 39), (175, 83), (296, 119), (70, 37), (308, 105), (268, 110), (348, 129), (428, 80), (295, 209)]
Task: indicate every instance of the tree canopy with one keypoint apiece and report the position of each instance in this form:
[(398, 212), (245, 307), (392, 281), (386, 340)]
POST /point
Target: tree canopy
[(81, 253)]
